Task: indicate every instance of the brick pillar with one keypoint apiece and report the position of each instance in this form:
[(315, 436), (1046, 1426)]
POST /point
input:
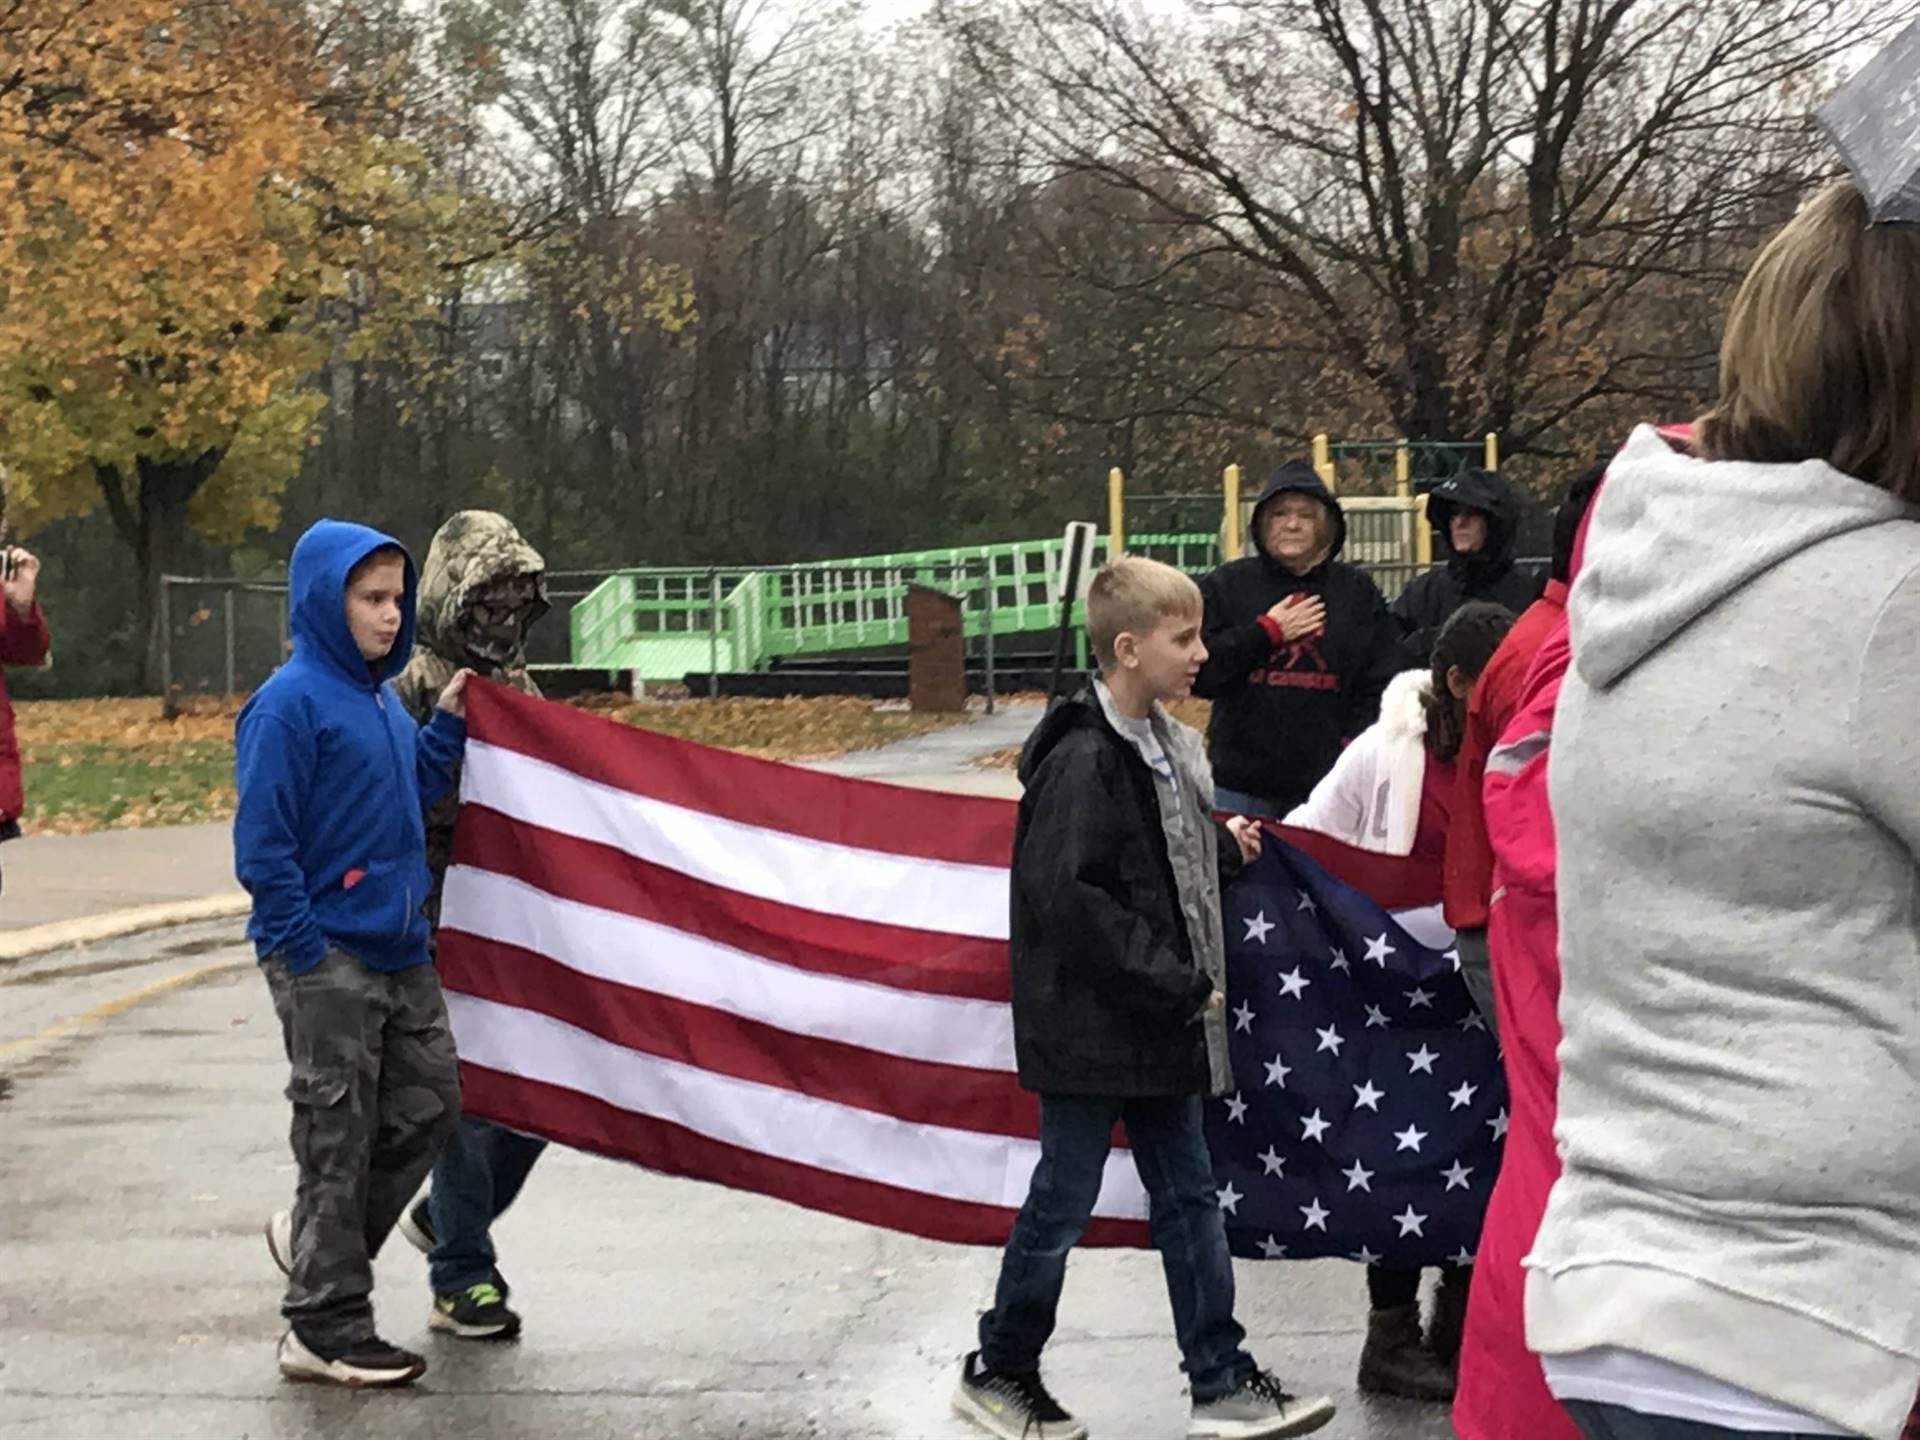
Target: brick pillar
[(936, 652)]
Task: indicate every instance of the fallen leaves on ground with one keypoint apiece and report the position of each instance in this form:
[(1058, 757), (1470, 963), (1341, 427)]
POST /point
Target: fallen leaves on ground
[(119, 764)]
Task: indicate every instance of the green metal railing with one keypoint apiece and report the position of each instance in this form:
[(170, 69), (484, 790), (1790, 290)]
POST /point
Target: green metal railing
[(663, 624)]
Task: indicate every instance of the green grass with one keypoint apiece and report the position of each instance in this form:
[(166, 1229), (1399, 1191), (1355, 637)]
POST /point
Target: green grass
[(79, 786)]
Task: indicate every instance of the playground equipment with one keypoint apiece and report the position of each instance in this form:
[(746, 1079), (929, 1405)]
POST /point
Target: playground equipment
[(666, 623)]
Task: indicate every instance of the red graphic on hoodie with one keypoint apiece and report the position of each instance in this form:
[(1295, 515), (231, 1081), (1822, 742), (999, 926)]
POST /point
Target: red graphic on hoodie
[(1298, 665)]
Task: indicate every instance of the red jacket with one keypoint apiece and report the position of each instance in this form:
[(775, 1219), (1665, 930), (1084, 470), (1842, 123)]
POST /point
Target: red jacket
[(1502, 1394), (1469, 869), (23, 641)]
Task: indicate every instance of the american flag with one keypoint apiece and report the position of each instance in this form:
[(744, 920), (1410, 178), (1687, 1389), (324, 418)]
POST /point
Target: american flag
[(766, 977), (1371, 1108), (749, 973)]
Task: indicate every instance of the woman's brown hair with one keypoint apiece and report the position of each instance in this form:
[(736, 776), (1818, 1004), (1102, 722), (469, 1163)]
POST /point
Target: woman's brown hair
[(1466, 643), (1821, 355)]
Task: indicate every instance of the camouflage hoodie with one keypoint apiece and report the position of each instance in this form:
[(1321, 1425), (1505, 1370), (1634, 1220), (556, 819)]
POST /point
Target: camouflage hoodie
[(481, 588)]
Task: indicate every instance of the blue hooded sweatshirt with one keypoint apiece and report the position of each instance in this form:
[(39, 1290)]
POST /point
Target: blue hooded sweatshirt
[(334, 777)]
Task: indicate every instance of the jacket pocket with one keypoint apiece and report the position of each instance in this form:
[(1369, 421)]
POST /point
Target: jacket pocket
[(379, 904)]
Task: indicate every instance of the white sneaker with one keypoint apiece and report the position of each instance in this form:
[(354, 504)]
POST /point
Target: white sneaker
[(1259, 1410), (368, 1364), (280, 1240), (416, 1226)]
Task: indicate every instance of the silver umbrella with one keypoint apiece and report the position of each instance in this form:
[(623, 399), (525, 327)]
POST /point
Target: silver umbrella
[(1874, 121)]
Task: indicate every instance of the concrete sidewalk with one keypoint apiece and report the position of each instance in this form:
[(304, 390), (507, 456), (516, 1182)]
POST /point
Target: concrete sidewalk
[(56, 878), (943, 760)]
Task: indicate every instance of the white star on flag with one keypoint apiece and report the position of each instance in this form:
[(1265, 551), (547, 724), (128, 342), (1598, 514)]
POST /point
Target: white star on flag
[(1272, 1250), (1462, 1256), (1277, 1072), (1294, 983), (1330, 1039), (1274, 1161), (1230, 1199), (1236, 1109), (1315, 1215), (1313, 1127), (1419, 999), (1377, 1016), (1457, 1176), (1243, 1018), (1359, 1178), (1378, 951), (1366, 1256), (1409, 1139), (1454, 956), (1259, 927), (1473, 1020), (1410, 1223), (1365, 1097), (1462, 1097), (1340, 961), (1307, 903), (1499, 1124), (1421, 1059)]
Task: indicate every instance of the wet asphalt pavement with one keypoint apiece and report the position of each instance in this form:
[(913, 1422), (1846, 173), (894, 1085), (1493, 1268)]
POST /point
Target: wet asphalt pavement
[(143, 1144)]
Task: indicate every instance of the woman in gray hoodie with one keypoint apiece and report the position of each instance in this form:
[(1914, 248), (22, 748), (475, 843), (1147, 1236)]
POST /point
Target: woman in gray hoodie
[(1734, 1245)]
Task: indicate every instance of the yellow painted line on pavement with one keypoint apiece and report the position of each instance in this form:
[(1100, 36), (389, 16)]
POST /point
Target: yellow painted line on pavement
[(107, 1009)]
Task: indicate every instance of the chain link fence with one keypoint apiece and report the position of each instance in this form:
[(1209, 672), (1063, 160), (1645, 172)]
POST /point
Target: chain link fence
[(222, 637)]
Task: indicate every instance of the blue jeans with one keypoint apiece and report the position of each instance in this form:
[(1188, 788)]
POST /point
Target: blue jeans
[(477, 1176), (1616, 1422), (1170, 1151)]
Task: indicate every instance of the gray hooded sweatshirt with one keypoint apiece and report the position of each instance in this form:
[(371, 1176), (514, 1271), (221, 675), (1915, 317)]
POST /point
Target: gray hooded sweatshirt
[(1735, 783)]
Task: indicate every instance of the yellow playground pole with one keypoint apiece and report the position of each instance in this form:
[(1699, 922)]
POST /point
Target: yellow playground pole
[(1230, 531), (1493, 451), (1402, 470), (1116, 513), (1323, 460)]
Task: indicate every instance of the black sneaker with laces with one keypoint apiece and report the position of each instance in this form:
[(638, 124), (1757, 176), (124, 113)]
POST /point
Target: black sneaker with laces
[(1014, 1407), (478, 1312), (1260, 1408), (371, 1362)]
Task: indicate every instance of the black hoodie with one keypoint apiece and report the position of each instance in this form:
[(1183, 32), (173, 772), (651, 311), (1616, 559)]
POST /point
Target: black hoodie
[(1281, 712), (1108, 992), (1486, 574)]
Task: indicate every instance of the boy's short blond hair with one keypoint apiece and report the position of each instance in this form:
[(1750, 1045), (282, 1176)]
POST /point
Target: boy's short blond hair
[(1132, 595)]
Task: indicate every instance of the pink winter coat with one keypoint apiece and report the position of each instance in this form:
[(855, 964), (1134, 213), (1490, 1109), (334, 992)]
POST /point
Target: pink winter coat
[(1501, 1394)]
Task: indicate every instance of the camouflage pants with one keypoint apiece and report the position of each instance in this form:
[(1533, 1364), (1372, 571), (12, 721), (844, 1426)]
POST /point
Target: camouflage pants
[(375, 1091)]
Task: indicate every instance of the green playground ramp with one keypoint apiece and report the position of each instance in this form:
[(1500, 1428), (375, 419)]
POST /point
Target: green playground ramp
[(665, 623)]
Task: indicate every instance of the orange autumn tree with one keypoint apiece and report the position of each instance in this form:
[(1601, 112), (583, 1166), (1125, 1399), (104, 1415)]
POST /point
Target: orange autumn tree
[(190, 214)]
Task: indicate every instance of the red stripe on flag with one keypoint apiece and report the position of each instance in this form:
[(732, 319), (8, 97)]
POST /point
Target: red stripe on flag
[(599, 875), (922, 1092), (865, 814), (590, 1124), (1393, 882)]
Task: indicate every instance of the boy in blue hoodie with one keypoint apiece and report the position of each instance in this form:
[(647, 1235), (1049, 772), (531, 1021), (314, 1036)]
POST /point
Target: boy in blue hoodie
[(333, 775)]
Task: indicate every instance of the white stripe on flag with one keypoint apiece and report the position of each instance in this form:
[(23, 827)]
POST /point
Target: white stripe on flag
[(1425, 925), (945, 896), (645, 955), (843, 1139)]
